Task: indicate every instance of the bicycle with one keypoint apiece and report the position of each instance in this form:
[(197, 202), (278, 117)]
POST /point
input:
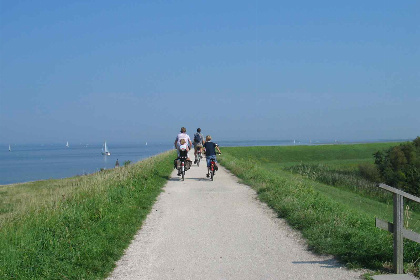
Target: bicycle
[(182, 164), (213, 167), (198, 157)]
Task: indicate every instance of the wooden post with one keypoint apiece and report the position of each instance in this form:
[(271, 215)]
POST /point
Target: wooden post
[(397, 228), (398, 233)]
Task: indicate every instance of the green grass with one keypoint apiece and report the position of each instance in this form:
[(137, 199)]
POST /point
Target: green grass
[(336, 219), (346, 156), (76, 228)]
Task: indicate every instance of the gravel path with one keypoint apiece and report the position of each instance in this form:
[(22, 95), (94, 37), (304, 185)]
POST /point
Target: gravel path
[(199, 229)]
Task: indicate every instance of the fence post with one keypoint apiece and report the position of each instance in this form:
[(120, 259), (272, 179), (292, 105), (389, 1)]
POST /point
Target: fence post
[(398, 233)]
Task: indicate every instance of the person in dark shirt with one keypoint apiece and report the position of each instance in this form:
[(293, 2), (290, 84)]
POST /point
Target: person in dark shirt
[(198, 143), (210, 150)]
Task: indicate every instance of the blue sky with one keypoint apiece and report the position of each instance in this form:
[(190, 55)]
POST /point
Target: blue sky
[(129, 71)]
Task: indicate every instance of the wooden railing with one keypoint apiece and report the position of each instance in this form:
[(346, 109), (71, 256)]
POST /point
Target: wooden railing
[(397, 228)]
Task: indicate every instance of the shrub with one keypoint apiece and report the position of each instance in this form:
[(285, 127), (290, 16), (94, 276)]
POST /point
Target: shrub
[(399, 166), (369, 171)]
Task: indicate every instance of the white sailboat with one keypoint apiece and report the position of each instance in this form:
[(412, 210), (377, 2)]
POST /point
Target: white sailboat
[(10, 149), (67, 145), (105, 150)]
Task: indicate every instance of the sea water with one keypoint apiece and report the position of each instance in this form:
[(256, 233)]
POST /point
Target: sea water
[(53, 161)]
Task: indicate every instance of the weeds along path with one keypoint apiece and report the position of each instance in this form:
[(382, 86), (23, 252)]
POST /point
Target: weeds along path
[(199, 229)]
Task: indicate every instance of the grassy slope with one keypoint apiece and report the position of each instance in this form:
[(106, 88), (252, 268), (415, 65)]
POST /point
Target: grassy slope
[(333, 220), (341, 157), (76, 228), (348, 156)]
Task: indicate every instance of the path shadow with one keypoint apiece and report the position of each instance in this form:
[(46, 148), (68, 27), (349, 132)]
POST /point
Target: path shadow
[(330, 263), (176, 179)]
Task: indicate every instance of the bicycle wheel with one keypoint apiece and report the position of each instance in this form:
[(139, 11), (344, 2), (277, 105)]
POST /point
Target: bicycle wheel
[(198, 161), (183, 171)]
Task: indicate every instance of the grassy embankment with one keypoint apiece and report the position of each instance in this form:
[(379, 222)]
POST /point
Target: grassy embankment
[(320, 191), (76, 228)]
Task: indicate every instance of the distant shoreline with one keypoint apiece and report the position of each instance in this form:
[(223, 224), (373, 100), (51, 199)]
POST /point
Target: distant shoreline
[(244, 143), (223, 143), (170, 141)]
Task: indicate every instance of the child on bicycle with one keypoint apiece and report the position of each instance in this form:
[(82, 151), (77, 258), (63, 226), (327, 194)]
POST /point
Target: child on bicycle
[(183, 149), (183, 153), (210, 150)]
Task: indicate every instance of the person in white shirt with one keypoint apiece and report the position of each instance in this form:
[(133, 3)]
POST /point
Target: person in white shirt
[(182, 135)]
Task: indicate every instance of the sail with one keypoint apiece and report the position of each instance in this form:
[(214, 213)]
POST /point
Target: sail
[(67, 145), (105, 150), (10, 148)]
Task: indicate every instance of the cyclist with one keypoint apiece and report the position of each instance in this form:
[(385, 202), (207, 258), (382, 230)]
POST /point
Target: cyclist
[(182, 135), (210, 150), (183, 152), (198, 143)]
